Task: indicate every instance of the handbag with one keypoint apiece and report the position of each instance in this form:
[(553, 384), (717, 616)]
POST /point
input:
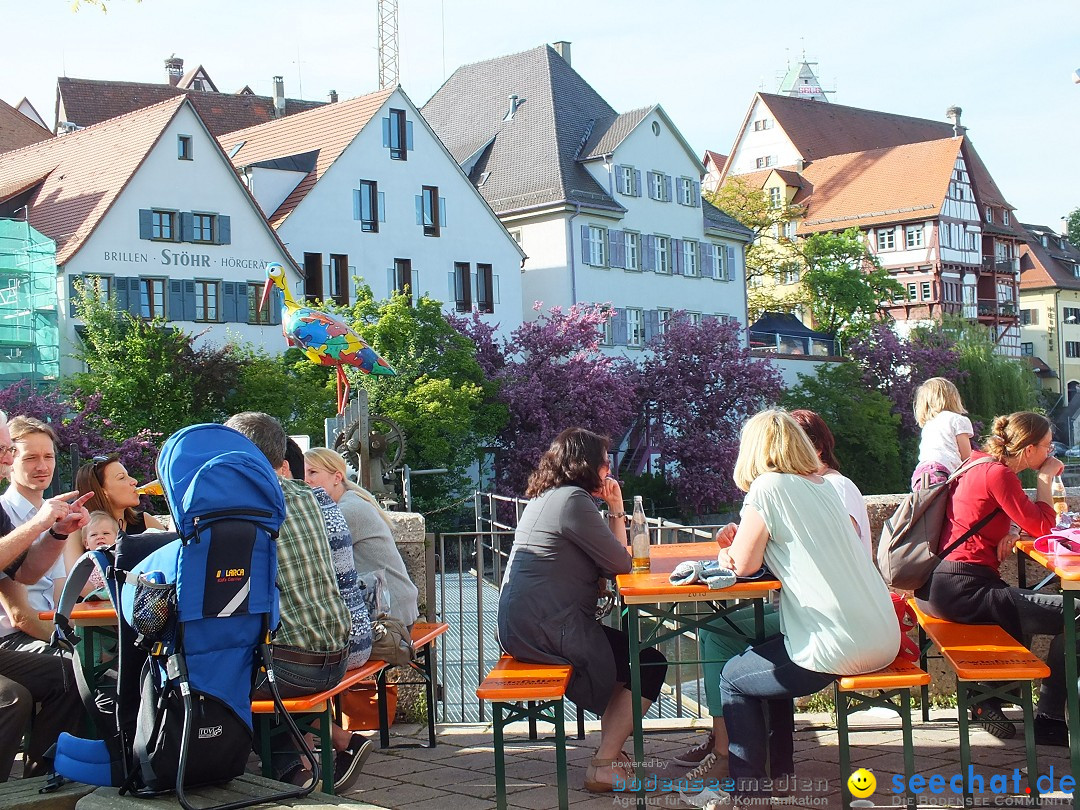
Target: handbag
[(391, 640)]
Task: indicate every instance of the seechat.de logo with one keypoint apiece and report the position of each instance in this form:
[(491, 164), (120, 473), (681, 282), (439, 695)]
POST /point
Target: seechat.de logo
[(861, 783)]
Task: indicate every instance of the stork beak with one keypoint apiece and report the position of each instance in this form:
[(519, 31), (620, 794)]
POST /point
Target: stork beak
[(265, 296)]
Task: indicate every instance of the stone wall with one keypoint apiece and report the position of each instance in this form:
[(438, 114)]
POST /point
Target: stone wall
[(411, 539)]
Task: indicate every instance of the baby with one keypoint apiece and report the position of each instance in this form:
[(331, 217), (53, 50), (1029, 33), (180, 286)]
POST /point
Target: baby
[(99, 532)]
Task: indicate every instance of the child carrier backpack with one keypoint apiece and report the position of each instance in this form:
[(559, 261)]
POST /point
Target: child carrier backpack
[(195, 610)]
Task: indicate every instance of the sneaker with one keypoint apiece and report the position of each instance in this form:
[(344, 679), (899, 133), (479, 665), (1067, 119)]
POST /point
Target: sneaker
[(990, 717), (1049, 731), (695, 755), (710, 771), (349, 763)]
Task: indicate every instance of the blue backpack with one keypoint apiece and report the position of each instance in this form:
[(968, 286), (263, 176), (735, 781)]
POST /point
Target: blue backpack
[(195, 610)]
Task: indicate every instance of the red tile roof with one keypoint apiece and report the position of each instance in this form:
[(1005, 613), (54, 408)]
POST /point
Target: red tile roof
[(89, 101), (718, 161), (1052, 266), (328, 129), (16, 130), (82, 174)]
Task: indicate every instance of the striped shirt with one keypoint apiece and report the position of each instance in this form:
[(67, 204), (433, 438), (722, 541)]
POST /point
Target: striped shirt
[(313, 614)]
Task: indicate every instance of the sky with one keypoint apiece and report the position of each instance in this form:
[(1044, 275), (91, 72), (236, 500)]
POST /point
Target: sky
[(1009, 67)]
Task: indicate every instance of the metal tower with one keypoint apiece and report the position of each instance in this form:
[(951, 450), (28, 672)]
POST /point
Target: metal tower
[(388, 44)]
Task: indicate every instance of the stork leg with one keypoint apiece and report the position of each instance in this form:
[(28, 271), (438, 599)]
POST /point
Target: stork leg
[(342, 390)]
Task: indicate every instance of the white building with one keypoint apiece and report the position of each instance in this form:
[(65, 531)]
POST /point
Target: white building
[(364, 188), (607, 206), (149, 203)]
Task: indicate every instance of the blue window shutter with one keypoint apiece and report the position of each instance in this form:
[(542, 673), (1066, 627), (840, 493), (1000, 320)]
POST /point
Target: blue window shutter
[(648, 252), (495, 289), (696, 194), (175, 310), (705, 259), (452, 287), (652, 324), (442, 212), (649, 183), (134, 300), (189, 299), (120, 290), (667, 188), (618, 178), (386, 132), (224, 235), (356, 204), (618, 327), (730, 263), (382, 206), (227, 308), (276, 299), (586, 245), (419, 210), (187, 226), (408, 135), (241, 302), (146, 223), (675, 247), (73, 294), (391, 281), (637, 182)]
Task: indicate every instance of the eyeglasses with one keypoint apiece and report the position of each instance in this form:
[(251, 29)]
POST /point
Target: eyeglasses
[(6, 449)]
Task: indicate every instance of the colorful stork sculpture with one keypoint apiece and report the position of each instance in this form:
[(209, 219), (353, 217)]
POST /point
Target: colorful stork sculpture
[(325, 339)]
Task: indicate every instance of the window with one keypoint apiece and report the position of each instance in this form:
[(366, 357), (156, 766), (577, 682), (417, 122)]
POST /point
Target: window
[(485, 288), (925, 290), (163, 225), (661, 248), (762, 124), (660, 186), (462, 287), (790, 227), (775, 194), (607, 330), (913, 236), (989, 214), (516, 233), (152, 298), (1072, 348), (101, 285), (886, 239), (690, 257), (313, 277), (686, 191), (432, 216), (662, 318), (1005, 216), (625, 180), (1071, 315), (336, 279), (1076, 270), (1029, 317), (183, 147), (202, 227), (790, 273), (719, 257), (369, 213), (630, 242), (635, 328), (597, 246), (398, 136), (1027, 349), (206, 301), (254, 294), (912, 293), (765, 162), (694, 318), (403, 277)]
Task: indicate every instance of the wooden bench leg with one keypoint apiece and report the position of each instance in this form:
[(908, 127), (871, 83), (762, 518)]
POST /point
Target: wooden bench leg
[(500, 765)]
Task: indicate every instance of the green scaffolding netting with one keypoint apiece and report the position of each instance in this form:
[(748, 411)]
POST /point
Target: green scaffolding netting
[(29, 331)]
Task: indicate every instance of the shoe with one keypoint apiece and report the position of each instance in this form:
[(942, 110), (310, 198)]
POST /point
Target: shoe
[(710, 772), (349, 763), (1049, 731), (693, 757), (594, 785), (297, 774), (990, 717)]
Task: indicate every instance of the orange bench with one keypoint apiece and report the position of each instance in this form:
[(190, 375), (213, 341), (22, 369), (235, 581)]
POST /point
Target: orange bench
[(424, 635), (526, 691), (314, 710), (888, 688), (989, 663)]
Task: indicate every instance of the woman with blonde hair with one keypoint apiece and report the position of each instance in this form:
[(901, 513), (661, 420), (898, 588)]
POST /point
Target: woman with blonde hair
[(967, 586), (836, 617), (372, 533), (945, 442)]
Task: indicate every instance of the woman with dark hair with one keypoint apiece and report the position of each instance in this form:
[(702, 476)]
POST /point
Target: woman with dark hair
[(967, 587), (562, 548)]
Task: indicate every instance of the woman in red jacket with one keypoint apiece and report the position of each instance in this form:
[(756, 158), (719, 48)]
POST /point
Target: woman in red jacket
[(967, 587)]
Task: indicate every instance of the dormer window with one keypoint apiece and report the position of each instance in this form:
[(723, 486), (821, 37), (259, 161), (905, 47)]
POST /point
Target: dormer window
[(397, 135), (989, 214), (183, 147), (775, 194), (1005, 216)]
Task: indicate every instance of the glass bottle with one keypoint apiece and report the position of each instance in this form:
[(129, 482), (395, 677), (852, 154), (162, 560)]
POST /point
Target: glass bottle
[(1057, 492), (639, 538)]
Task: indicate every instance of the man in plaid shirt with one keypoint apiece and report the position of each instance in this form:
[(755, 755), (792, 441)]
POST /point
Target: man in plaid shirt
[(311, 646)]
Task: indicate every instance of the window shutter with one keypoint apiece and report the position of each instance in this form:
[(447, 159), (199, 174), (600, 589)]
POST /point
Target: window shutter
[(618, 327), (356, 204), (614, 242), (695, 198), (135, 295), (275, 303), (73, 295), (667, 188), (652, 324), (677, 257), (705, 259), (241, 301), (408, 135), (648, 252), (586, 245), (452, 297), (187, 226), (442, 212), (649, 182), (224, 227), (382, 206), (175, 310), (386, 132), (618, 178), (419, 209), (228, 302), (120, 290), (495, 290), (189, 299), (637, 182), (146, 223), (391, 281), (730, 262)]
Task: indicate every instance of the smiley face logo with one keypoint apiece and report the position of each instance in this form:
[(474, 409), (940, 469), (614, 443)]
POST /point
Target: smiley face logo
[(861, 783)]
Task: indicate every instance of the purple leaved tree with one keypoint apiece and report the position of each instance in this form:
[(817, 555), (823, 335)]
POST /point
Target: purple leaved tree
[(701, 383)]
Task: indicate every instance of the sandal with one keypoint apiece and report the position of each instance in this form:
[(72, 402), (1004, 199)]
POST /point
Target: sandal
[(990, 717), (594, 785)]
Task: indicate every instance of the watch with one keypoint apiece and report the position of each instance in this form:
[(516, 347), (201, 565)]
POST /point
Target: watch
[(56, 534)]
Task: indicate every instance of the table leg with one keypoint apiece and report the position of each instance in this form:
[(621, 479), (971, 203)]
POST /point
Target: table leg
[(632, 630), (1068, 604)]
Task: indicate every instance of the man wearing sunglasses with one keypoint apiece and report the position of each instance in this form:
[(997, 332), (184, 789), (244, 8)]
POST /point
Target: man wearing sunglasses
[(28, 678)]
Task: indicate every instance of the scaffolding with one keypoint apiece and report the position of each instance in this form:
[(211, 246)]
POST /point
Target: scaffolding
[(29, 330)]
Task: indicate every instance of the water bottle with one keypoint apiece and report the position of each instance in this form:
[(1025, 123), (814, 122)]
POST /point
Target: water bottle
[(639, 538), (1061, 505)]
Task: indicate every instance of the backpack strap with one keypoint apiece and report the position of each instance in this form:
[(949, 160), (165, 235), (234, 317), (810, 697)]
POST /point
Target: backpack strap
[(963, 468)]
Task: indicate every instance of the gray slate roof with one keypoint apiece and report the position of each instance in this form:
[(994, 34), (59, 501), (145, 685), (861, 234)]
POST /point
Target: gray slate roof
[(715, 218), (533, 158), (605, 138)]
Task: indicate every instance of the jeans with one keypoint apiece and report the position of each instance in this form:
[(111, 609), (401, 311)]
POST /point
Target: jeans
[(720, 645), (758, 688)]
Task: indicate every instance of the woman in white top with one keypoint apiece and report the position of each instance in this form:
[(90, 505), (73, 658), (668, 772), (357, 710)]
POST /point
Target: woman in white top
[(946, 432), (836, 617)]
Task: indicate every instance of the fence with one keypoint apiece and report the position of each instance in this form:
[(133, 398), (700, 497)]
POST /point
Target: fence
[(469, 568)]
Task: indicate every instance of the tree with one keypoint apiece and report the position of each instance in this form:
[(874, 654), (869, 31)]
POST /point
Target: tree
[(1072, 227), (863, 423), (845, 283), (701, 384)]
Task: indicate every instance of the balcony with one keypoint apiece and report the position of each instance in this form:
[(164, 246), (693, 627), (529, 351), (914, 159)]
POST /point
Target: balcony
[(989, 308), (991, 264)]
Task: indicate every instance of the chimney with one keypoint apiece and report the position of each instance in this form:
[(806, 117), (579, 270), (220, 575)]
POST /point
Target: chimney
[(174, 69), (514, 104), (279, 97), (562, 48), (800, 164), (953, 114), (333, 96)]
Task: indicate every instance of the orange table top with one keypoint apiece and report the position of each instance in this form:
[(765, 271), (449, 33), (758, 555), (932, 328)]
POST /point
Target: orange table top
[(1067, 567), (653, 587), (87, 614)]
